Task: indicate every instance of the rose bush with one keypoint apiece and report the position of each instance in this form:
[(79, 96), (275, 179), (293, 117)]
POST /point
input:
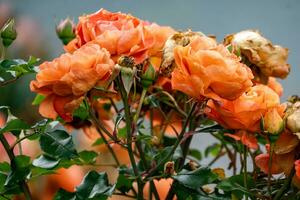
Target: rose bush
[(122, 106)]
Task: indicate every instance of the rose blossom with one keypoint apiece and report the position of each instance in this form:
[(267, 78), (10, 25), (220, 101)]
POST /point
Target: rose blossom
[(205, 69), (120, 34), (66, 79), (245, 112)]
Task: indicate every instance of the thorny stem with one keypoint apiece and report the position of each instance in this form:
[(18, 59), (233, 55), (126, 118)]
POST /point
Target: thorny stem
[(11, 155), (129, 137)]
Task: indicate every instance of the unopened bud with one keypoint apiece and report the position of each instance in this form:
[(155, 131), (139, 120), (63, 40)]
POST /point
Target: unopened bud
[(169, 168), (65, 30), (273, 122), (8, 33), (149, 76)]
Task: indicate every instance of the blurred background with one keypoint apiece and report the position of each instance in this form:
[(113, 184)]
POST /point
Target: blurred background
[(277, 20), (36, 20)]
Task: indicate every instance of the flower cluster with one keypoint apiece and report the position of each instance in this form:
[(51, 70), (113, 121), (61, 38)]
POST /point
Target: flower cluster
[(115, 60)]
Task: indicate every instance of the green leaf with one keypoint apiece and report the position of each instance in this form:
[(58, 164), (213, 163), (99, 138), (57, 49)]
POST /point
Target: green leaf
[(46, 162), (235, 184), (94, 186), (20, 166), (2, 181), (19, 67), (122, 132), (58, 144), (64, 195), (14, 125), (195, 153), (212, 150), (38, 99), (197, 178), (124, 184), (169, 141), (37, 171), (4, 167), (82, 111), (99, 141), (88, 157), (183, 192)]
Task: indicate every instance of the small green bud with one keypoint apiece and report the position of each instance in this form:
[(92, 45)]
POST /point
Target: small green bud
[(65, 30), (8, 33), (148, 77)]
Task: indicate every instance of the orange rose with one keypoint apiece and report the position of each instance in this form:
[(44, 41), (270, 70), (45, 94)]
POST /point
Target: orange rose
[(66, 79), (120, 34), (245, 112), (204, 68)]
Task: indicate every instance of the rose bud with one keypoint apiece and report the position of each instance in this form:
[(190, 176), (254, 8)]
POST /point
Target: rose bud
[(149, 76), (273, 122), (65, 30), (270, 60), (8, 33)]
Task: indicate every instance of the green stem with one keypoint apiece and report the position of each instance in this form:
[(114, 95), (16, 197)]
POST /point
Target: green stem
[(11, 156), (129, 137), (137, 114), (154, 191), (151, 121), (269, 168), (7, 82), (178, 141), (139, 147), (99, 127), (19, 140)]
